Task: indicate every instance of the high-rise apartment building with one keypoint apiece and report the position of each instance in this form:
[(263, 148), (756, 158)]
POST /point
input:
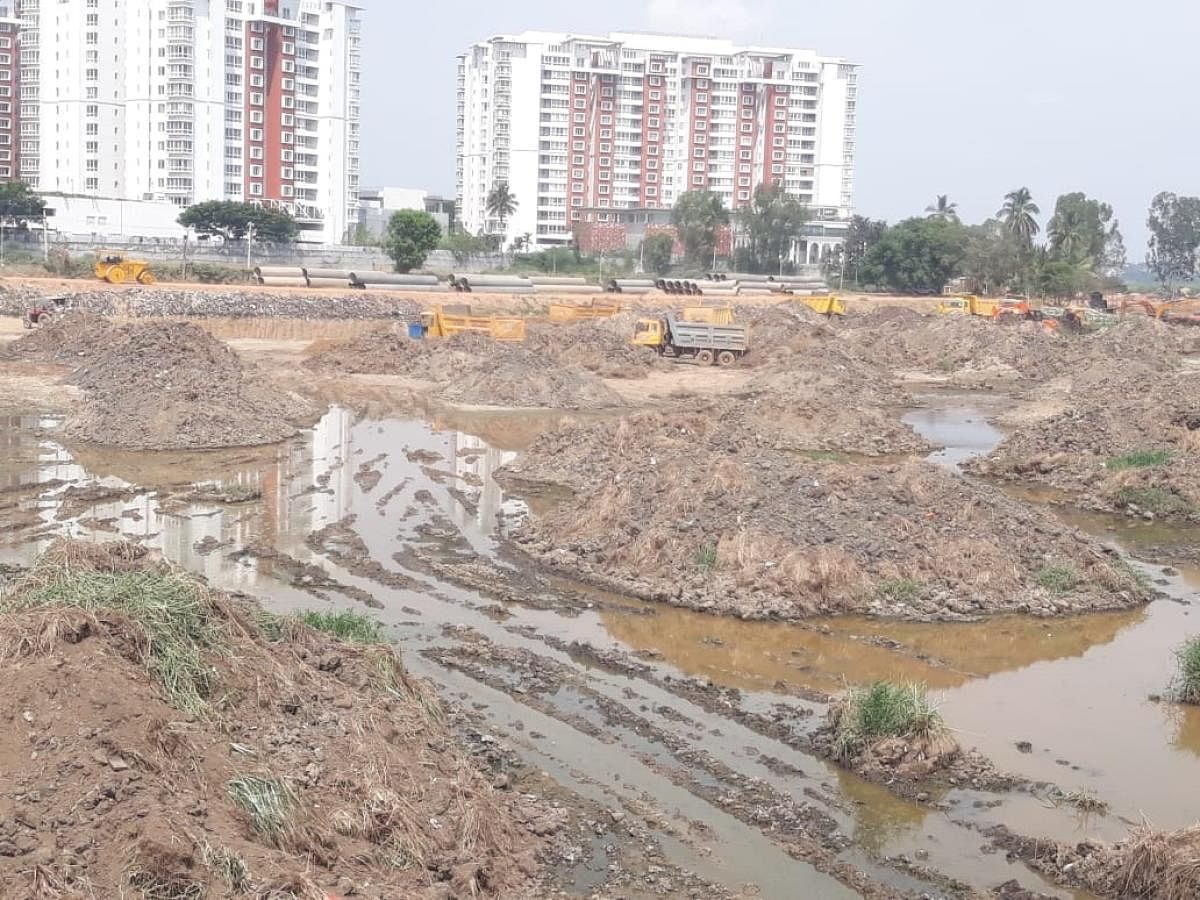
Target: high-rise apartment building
[(580, 126), (190, 100)]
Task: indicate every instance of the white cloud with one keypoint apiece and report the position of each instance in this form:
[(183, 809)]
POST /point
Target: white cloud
[(722, 18)]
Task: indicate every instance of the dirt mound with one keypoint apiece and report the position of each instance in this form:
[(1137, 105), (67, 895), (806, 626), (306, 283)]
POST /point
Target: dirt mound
[(685, 509), (885, 315), (176, 743), (167, 386), (472, 368), (1128, 439), (600, 346), (66, 339)]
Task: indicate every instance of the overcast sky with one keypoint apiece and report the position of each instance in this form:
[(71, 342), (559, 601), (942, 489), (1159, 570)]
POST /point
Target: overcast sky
[(971, 98)]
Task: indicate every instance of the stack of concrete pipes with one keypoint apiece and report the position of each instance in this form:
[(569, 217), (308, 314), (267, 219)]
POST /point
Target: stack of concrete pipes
[(281, 276), (522, 284), (677, 286), (631, 285)]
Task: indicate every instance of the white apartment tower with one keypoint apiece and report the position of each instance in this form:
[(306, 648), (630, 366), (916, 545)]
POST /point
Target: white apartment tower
[(191, 100), (578, 125)]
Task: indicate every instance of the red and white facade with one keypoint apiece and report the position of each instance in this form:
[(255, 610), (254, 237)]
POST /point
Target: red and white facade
[(190, 100), (578, 125)]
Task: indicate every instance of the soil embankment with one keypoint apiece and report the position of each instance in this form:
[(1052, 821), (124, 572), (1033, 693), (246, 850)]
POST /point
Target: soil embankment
[(683, 509), (176, 743)]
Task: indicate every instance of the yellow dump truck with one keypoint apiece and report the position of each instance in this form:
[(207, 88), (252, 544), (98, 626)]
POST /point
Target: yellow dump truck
[(565, 312), (707, 315), (438, 323), (707, 343), (968, 306)]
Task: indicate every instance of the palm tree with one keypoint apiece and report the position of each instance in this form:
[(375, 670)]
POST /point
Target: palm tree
[(1018, 213), (1067, 235), (943, 209), (501, 203)]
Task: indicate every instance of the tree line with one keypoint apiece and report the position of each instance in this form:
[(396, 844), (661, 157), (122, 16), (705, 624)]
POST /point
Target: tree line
[(1083, 249)]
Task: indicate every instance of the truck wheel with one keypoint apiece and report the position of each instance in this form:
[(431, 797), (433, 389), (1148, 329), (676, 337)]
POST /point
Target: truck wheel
[(705, 357), (726, 358)]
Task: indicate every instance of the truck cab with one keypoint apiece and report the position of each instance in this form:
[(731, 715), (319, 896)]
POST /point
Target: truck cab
[(954, 306), (649, 333)]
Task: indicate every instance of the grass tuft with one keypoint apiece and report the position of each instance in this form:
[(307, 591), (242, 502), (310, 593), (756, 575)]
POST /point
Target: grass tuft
[(268, 802), (899, 590), (349, 626), (1139, 459), (1058, 579), (1186, 686), (1155, 499), (170, 607), (231, 867), (706, 557), (884, 710)]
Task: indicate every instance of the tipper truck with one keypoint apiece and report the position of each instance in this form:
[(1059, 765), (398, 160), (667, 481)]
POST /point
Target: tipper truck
[(704, 342)]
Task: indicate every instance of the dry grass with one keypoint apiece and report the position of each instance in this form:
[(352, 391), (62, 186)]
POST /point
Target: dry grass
[(1160, 865)]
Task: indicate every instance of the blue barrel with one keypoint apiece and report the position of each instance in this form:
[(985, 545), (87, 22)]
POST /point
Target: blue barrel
[(416, 330)]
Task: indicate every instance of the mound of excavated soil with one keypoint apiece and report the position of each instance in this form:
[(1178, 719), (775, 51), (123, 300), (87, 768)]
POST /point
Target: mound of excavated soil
[(473, 369), (68, 338), (689, 510), (1114, 412), (601, 346), (169, 386), (781, 332), (307, 768)]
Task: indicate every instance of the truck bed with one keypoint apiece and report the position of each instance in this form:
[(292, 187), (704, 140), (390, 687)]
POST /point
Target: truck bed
[(698, 335)]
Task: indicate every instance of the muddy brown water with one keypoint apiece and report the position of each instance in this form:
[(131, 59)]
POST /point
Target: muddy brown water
[(1077, 689)]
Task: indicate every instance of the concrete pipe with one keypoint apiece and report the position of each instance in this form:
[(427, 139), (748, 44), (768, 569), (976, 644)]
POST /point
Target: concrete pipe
[(281, 281), (478, 282), (566, 289), (330, 282), (539, 281), (392, 278), (279, 272), (340, 274)]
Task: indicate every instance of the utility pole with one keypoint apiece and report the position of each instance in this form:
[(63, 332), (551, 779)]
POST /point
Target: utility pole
[(249, 244), (45, 237)]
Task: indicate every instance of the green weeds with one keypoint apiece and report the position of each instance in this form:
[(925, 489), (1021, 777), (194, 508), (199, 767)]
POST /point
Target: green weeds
[(349, 626), (267, 801), (1057, 579), (882, 710), (706, 558), (1139, 459), (1186, 686), (1154, 499), (170, 608), (899, 590)]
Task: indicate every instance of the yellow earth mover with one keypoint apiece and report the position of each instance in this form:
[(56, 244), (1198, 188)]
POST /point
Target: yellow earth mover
[(969, 306), (439, 323), (708, 344), (827, 305), (116, 268)]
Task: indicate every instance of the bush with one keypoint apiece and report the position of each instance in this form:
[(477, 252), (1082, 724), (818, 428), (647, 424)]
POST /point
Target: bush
[(1139, 459), (899, 590), (1186, 686), (1154, 499), (884, 710), (706, 557)]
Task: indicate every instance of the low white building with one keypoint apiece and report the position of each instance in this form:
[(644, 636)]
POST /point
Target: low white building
[(76, 218)]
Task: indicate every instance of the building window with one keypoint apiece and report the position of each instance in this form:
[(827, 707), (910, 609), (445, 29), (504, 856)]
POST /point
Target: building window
[(698, 179)]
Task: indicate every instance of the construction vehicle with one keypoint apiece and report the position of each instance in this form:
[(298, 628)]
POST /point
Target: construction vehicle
[(708, 344), (45, 311), (827, 305), (707, 315), (439, 323), (116, 268), (565, 312), (1082, 318), (969, 305)]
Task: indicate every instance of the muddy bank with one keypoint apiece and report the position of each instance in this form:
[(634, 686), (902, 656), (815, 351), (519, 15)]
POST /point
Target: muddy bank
[(1125, 439), (680, 509), (305, 764), (163, 386), (470, 369)]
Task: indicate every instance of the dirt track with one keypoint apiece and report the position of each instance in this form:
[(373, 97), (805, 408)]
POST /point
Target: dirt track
[(659, 727)]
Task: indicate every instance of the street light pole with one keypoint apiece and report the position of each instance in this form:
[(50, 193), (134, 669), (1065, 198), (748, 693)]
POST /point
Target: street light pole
[(249, 244)]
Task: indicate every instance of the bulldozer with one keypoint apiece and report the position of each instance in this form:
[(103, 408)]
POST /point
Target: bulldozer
[(117, 268)]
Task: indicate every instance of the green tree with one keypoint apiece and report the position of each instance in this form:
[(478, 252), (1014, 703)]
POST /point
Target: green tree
[(501, 203), (232, 221), (1174, 224), (993, 257), (463, 245), (1083, 230), (1019, 215), (917, 256), (861, 236), (657, 250), (18, 204), (770, 225), (943, 208), (1051, 275), (697, 216), (411, 236)]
